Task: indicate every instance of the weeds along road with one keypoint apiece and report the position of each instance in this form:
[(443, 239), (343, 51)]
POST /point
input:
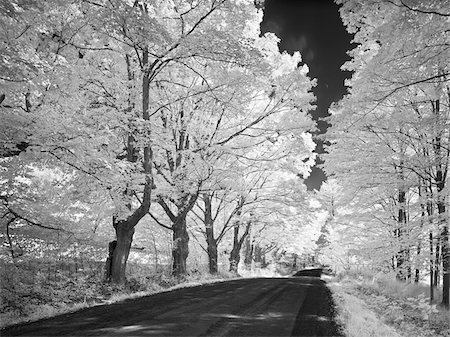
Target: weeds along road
[(296, 306)]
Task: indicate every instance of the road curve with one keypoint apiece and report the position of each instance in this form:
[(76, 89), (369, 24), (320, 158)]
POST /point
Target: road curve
[(297, 306)]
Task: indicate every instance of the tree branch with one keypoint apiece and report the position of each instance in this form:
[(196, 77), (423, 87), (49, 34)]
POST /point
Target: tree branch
[(159, 222)]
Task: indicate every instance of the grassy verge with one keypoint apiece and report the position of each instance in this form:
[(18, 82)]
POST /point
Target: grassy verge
[(371, 305), (43, 302), (356, 318)]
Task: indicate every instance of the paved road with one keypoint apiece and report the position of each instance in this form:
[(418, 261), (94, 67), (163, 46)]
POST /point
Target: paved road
[(297, 306)]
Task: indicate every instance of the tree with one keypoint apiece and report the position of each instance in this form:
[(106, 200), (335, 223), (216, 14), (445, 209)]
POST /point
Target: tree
[(39, 202), (382, 119), (214, 113), (89, 84), (216, 203), (232, 190)]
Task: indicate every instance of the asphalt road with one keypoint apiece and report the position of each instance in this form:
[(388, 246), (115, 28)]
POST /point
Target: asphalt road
[(296, 306)]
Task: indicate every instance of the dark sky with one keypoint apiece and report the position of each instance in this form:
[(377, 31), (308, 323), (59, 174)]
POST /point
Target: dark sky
[(314, 28)]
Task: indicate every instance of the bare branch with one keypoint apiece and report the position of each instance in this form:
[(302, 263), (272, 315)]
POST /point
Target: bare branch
[(159, 222)]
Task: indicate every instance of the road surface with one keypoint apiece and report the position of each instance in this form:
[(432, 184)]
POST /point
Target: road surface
[(296, 306)]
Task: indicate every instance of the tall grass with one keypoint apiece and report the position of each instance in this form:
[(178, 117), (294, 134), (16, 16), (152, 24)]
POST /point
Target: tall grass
[(388, 285), (28, 293), (402, 305), (356, 319)]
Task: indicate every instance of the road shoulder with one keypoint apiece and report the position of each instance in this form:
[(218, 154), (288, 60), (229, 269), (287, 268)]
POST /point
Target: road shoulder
[(355, 317)]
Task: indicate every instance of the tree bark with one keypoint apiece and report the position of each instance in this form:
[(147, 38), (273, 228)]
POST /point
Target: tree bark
[(234, 259), (180, 249), (437, 263), (431, 268), (294, 265), (417, 272), (442, 156), (445, 257), (180, 235), (235, 251), (264, 263), (258, 256), (422, 221), (445, 267), (248, 256), (124, 227), (212, 256), (211, 241), (431, 239), (401, 256), (120, 251), (111, 247), (235, 254)]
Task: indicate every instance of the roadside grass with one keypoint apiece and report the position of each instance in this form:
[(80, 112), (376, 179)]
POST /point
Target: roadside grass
[(355, 318), (259, 272), (193, 280), (34, 303), (400, 306), (29, 292), (37, 312)]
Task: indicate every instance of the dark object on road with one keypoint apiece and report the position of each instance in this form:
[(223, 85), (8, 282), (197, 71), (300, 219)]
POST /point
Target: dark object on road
[(328, 271), (316, 272), (299, 306)]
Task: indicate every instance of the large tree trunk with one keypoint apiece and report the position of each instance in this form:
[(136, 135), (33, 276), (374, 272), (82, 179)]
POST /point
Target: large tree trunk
[(248, 255), (180, 249), (264, 263), (212, 251), (235, 251), (235, 254), (213, 257), (180, 244), (119, 251), (258, 255), (124, 228), (235, 257), (211, 242)]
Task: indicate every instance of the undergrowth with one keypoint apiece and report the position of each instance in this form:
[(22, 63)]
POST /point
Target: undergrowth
[(356, 319), (406, 307), (29, 292)]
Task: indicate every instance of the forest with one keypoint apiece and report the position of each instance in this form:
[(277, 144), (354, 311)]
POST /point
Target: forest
[(146, 142), (389, 142)]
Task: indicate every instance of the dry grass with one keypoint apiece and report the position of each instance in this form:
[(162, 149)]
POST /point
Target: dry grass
[(402, 306), (40, 312), (356, 319), (168, 283), (389, 286)]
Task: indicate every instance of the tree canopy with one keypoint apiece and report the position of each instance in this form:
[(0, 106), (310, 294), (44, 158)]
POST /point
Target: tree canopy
[(140, 105)]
